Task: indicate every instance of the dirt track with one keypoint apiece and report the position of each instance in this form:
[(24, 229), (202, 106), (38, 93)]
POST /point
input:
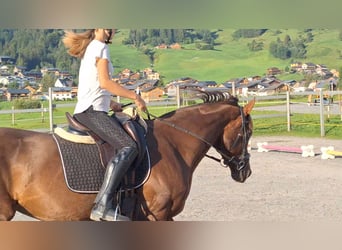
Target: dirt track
[(282, 187)]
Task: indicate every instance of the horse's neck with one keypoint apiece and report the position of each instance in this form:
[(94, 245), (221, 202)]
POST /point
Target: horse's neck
[(193, 131)]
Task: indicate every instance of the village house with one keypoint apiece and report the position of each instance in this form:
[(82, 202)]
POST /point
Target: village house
[(162, 46), (152, 93), (32, 90), (61, 93), (6, 60), (12, 94), (175, 46), (62, 83), (309, 67), (151, 74), (296, 67), (53, 71), (273, 71), (19, 70), (4, 70), (171, 87), (126, 73)]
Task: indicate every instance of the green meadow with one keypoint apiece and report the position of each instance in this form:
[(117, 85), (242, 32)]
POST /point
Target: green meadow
[(230, 58), (303, 125)]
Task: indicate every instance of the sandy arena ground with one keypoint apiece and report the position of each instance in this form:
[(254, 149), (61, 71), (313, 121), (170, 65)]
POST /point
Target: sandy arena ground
[(283, 187)]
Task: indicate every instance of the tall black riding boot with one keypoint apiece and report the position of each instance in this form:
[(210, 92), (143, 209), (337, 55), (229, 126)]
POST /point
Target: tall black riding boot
[(116, 169)]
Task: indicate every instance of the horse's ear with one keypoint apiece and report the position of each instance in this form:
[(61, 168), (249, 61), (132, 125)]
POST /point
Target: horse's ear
[(248, 107)]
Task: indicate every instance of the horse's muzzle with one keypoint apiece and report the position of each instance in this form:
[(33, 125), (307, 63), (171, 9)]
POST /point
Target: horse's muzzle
[(242, 175)]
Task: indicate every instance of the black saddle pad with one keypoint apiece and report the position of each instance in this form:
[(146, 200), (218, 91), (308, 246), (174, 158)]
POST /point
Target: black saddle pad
[(84, 172)]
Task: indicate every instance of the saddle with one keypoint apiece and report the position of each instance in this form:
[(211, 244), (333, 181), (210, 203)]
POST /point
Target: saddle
[(134, 126)]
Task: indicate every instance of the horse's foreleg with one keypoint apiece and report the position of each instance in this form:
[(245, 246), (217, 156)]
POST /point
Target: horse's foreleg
[(158, 207), (7, 205)]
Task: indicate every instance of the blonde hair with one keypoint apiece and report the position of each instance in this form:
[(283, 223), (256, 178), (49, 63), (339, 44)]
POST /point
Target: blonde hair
[(76, 43)]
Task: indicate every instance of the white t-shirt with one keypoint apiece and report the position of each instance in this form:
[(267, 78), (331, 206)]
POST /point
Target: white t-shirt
[(89, 91)]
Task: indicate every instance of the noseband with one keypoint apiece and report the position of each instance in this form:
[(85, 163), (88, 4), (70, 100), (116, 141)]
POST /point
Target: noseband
[(239, 161)]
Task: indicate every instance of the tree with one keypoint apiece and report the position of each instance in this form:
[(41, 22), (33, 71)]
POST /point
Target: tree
[(255, 46), (287, 40), (48, 81)]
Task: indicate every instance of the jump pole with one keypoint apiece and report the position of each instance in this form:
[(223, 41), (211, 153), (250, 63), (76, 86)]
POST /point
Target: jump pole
[(330, 153), (305, 150)]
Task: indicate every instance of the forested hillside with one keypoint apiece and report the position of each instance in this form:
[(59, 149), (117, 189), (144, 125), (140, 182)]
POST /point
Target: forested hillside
[(204, 54)]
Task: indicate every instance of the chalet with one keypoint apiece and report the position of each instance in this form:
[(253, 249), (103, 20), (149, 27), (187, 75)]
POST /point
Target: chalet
[(291, 83), (270, 81), (62, 83), (273, 71), (135, 76), (46, 70), (4, 71), (172, 86), (329, 84), (16, 93), (241, 80), (335, 73), (309, 67), (149, 83), (273, 89), (142, 84), (206, 84), (126, 73), (62, 93), (162, 46), (254, 78), (229, 85), (36, 74), (296, 66), (152, 93), (151, 74), (74, 91), (175, 46), (19, 70), (256, 86), (125, 81), (5, 80), (32, 90), (6, 60), (64, 74)]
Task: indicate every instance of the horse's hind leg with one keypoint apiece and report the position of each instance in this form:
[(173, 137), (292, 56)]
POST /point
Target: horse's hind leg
[(7, 210)]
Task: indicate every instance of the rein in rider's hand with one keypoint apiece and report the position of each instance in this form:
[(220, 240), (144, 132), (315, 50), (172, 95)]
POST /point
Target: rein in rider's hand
[(140, 103)]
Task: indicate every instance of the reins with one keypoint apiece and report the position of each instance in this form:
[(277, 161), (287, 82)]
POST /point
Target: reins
[(221, 161)]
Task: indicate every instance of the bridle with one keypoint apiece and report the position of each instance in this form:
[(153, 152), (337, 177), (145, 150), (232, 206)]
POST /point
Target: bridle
[(239, 161)]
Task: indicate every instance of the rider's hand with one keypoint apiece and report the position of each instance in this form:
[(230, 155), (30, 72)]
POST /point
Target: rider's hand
[(116, 107), (140, 103)]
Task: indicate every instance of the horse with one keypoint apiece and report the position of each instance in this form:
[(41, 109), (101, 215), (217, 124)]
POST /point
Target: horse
[(32, 180)]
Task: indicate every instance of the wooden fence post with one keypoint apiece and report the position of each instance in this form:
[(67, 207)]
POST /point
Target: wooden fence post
[(13, 116)]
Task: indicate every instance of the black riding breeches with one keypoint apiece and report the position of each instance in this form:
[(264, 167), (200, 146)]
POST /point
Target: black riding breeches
[(106, 127)]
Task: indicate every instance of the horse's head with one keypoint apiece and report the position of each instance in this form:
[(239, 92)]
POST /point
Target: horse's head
[(233, 146)]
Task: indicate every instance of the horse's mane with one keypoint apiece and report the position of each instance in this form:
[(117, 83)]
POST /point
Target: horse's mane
[(209, 97), (217, 96)]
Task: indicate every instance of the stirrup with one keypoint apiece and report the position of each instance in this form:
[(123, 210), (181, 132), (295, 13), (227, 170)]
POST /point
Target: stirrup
[(108, 215)]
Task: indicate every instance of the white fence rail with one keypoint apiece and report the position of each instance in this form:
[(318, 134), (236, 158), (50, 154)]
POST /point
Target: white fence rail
[(288, 109)]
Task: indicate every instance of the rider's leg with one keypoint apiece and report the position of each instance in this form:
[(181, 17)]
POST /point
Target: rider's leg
[(116, 169), (109, 129)]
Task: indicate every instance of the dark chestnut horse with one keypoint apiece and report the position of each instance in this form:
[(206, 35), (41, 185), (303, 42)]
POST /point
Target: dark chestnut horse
[(32, 179)]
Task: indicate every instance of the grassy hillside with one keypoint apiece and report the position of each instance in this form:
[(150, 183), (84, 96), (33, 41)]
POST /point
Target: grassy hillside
[(230, 59)]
